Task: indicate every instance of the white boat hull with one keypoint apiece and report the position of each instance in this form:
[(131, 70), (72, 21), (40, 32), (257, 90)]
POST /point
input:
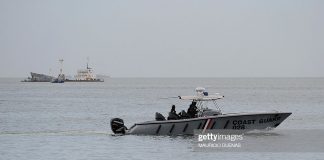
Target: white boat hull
[(237, 121)]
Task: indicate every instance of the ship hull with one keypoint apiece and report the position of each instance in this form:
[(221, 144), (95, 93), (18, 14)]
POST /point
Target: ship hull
[(238, 121), (36, 77), (96, 80)]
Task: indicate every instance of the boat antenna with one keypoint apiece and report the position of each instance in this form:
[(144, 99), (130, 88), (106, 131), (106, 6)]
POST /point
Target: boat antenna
[(61, 69)]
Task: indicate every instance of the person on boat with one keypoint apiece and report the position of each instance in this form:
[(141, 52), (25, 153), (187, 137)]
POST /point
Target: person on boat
[(184, 115), (173, 109), (192, 110), (173, 114)]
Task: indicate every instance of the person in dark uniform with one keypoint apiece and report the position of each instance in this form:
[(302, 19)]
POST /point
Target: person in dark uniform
[(173, 109), (192, 110), (173, 114)]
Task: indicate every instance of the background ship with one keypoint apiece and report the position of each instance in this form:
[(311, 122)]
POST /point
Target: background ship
[(36, 77), (85, 75)]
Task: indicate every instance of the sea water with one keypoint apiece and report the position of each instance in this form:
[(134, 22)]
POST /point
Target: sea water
[(71, 120)]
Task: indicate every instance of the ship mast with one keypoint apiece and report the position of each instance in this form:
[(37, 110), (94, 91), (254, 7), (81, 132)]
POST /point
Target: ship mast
[(88, 62), (61, 69)]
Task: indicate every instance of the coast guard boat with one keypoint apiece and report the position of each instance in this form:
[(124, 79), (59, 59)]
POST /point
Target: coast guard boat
[(199, 116)]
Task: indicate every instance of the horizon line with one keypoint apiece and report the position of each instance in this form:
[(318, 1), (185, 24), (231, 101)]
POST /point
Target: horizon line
[(205, 77)]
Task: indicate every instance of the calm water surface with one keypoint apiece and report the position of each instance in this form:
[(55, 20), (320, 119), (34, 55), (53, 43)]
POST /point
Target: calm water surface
[(71, 120)]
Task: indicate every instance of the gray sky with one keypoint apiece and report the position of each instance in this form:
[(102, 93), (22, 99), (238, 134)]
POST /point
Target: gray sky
[(164, 38)]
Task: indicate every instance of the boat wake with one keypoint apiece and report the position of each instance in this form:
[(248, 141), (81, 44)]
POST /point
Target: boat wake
[(54, 132), (262, 133)]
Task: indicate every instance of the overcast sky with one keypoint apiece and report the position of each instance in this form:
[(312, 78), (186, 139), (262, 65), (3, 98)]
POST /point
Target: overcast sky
[(163, 38)]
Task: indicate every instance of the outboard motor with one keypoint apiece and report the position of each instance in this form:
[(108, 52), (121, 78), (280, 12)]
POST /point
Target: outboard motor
[(117, 126)]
